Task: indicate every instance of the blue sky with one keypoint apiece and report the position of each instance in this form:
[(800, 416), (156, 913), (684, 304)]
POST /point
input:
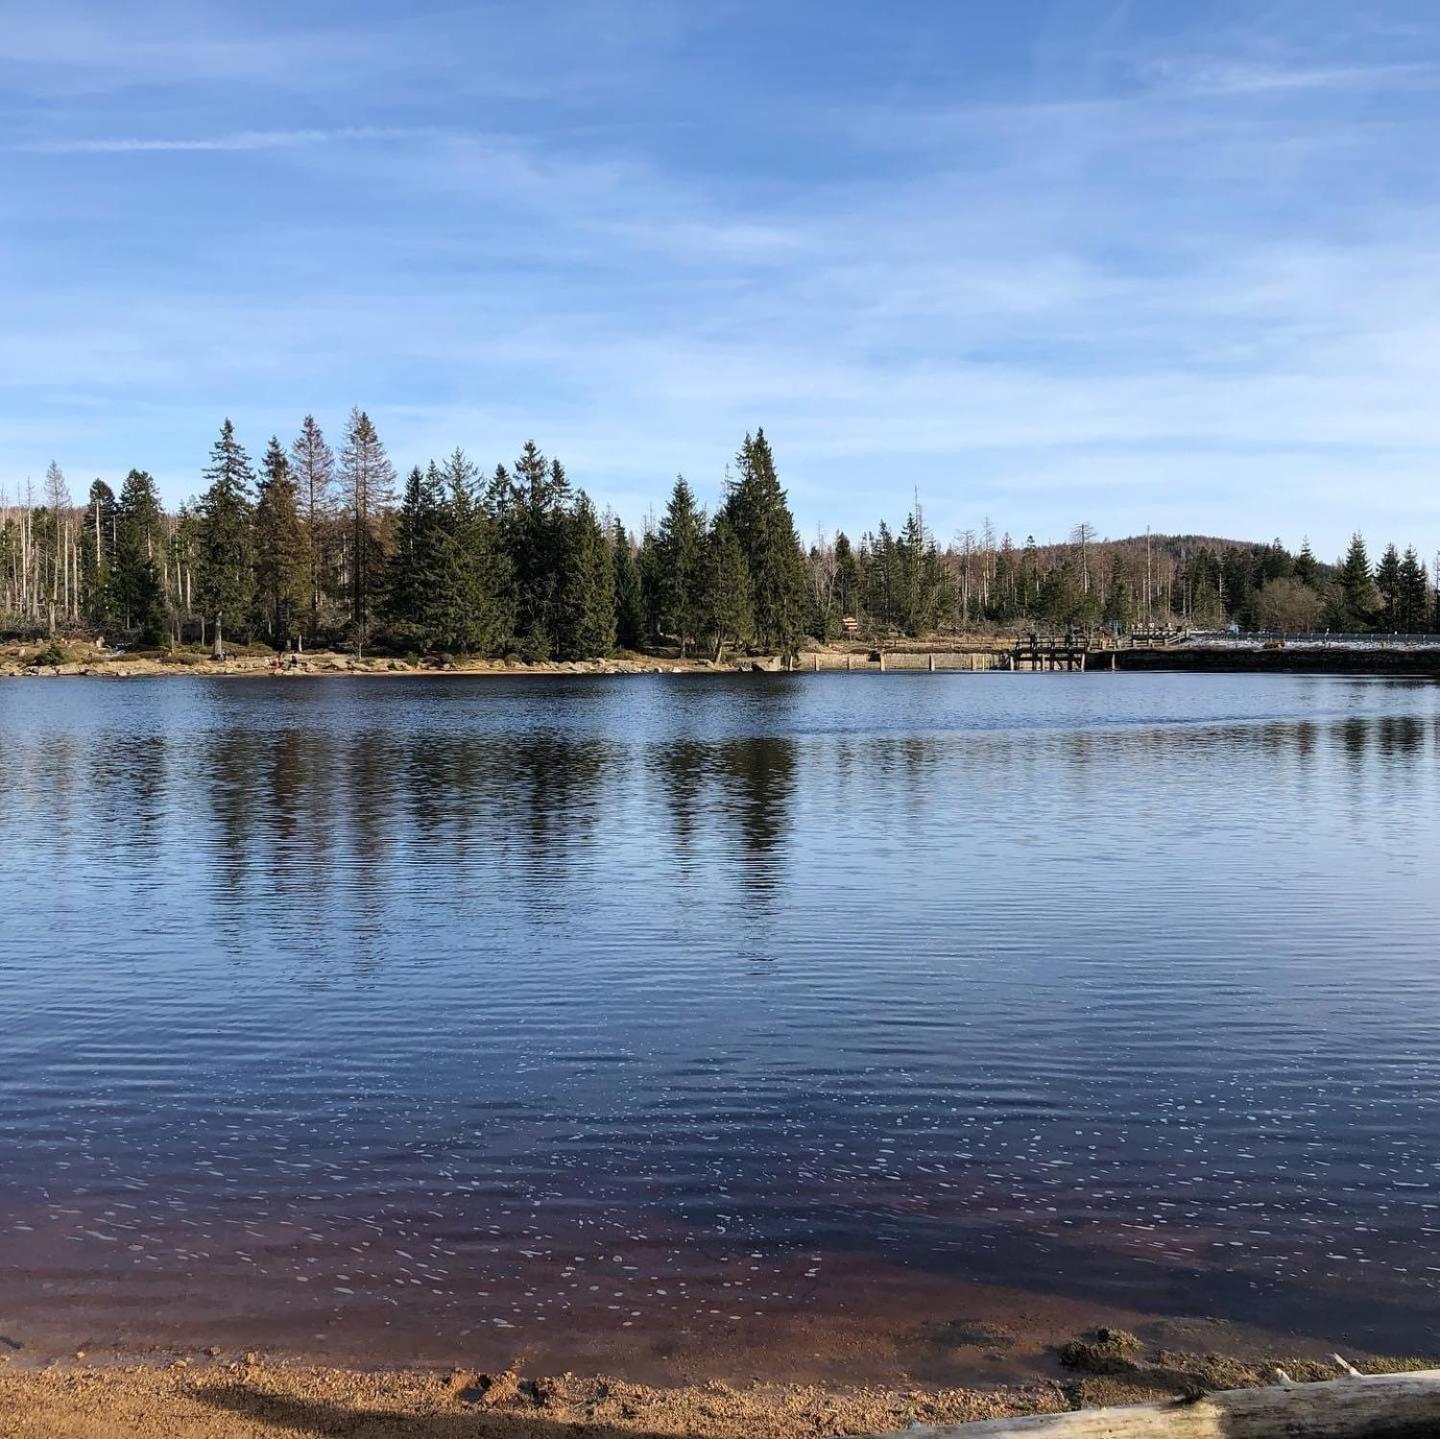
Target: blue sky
[(1159, 263)]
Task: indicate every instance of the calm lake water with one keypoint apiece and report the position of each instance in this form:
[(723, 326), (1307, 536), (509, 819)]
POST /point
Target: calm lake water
[(399, 1017)]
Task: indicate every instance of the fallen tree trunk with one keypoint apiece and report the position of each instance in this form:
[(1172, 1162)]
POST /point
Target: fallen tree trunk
[(1375, 1406)]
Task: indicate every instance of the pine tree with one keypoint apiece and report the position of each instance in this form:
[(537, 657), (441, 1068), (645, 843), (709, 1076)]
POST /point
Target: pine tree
[(678, 552), (1354, 601), (1307, 571), (1414, 594), (368, 478), (1119, 606), (313, 466), (225, 578), (147, 596), (1030, 577), (629, 599), (139, 598), (907, 606), (760, 517), (407, 583), (283, 572), (535, 507), (728, 615), (648, 564), (474, 584), (847, 577), (586, 627), (97, 555), (1387, 584)]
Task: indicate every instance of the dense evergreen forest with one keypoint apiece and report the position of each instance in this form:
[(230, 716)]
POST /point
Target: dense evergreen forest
[(315, 547)]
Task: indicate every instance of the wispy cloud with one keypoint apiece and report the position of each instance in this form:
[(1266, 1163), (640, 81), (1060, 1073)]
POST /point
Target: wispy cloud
[(1163, 272), (240, 140), (1225, 77)]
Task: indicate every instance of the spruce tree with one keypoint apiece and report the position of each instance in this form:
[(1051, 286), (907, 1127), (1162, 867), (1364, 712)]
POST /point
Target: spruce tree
[(648, 563), (760, 517), (1307, 571), (1354, 599), (535, 530), (679, 546), (368, 479), (224, 576), (907, 605), (937, 588), (847, 577), (1412, 607), (629, 599), (313, 466), (147, 597), (97, 554), (139, 537), (283, 573), (414, 570), (585, 627), (1387, 585), (498, 503), (728, 613), (473, 582), (1119, 608)]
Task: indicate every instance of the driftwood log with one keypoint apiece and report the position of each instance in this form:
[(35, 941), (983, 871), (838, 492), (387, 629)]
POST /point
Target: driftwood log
[(1376, 1406)]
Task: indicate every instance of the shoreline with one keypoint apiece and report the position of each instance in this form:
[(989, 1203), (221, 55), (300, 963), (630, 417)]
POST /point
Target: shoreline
[(213, 1395), (1317, 660), (327, 664), (229, 1397)]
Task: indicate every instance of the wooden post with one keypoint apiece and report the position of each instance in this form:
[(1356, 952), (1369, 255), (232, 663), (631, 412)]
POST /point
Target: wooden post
[(932, 664), (817, 661), (848, 658), (881, 653)]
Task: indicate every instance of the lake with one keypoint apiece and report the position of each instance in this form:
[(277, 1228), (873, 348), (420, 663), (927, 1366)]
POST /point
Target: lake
[(743, 1021)]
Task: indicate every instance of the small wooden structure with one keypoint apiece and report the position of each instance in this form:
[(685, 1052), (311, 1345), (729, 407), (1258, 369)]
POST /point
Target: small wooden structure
[(1037, 654), (1152, 637), (850, 626), (1371, 1406)]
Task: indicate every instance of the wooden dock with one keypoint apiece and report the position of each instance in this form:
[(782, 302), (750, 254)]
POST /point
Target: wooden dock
[(1037, 654), (1072, 653)]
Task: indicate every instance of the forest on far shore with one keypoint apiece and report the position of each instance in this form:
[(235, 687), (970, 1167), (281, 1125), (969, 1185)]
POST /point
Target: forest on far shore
[(325, 548)]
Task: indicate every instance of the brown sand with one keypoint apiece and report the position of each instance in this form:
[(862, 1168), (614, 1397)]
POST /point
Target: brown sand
[(220, 1399), (85, 659)]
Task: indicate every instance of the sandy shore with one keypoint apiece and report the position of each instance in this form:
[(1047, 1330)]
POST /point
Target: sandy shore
[(16, 662), (217, 1396), (220, 1399)]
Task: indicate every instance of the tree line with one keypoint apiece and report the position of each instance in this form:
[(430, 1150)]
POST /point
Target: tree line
[(315, 546)]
